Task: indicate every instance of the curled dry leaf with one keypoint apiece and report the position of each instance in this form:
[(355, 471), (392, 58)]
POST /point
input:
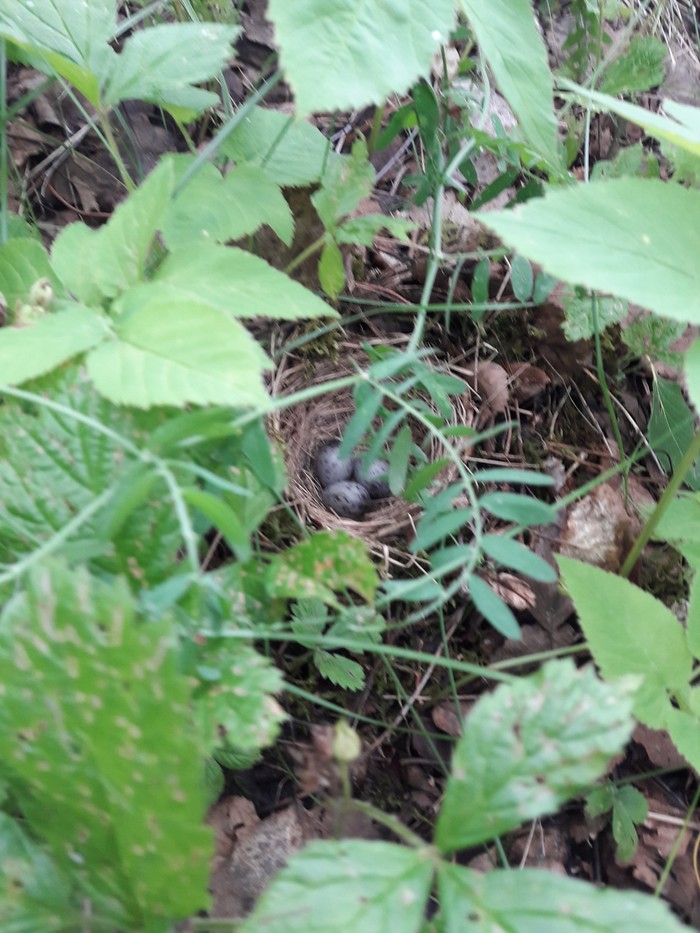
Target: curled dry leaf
[(491, 382), (526, 381)]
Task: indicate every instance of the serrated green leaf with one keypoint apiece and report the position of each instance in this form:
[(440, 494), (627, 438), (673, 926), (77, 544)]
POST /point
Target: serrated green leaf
[(213, 209), (238, 283), (629, 807), (331, 271), (514, 507), (343, 672), (637, 238), (529, 746), (22, 262), (511, 43), (68, 39), (53, 466), (327, 561), (533, 901), (345, 887), (580, 317), (238, 707), (600, 800), (99, 700), (641, 67), (513, 554), (97, 264), (346, 181), (172, 351), (292, 152), (493, 609), (159, 64), (630, 632), (363, 229), (31, 351), (357, 52)]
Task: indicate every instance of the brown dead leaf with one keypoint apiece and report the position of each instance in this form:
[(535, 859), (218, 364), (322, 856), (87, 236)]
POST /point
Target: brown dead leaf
[(514, 591), (659, 747), (597, 529), (526, 381), (447, 719), (490, 381)]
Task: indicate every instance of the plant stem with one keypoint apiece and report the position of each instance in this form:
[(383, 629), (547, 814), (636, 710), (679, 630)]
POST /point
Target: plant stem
[(395, 826), (114, 150), (602, 378), (674, 484), (305, 253)]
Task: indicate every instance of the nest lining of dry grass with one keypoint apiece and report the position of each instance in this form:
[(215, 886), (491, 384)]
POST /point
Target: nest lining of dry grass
[(305, 428)]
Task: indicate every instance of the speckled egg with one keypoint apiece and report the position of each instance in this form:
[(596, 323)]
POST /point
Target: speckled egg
[(347, 499), (330, 468), (373, 478)]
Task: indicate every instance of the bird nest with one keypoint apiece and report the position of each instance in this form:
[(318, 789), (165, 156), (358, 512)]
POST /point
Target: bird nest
[(310, 425)]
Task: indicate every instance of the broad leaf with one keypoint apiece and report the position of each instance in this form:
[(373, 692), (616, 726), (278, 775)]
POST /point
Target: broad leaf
[(235, 703), (630, 632), (514, 49), (533, 901), (22, 263), (346, 54), (31, 351), (345, 887), (238, 283), (692, 374), (327, 561), (52, 466), (291, 152), (672, 424), (529, 746), (96, 698), (637, 238), (69, 39), (172, 351), (344, 672), (103, 263), (641, 67), (159, 64), (346, 181), (684, 728), (215, 209), (681, 127)]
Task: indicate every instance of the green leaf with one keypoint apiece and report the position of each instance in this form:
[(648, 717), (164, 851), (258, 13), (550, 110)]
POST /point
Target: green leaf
[(514, 507), (238, 283), (28, 352), (343, 672), (579, 323), (363, 229), (213, 209), (52, 466), (70, 40), (684, 728), (522, 278), (433, 528), (493, 609), (351, 53), (346, 181), (103, 263), (637, 238), (159, 64), (237, 708), (693, 619), (327, 561), (672, 423), (630, 632), (292, 152), (224, 519), (345, 887), (513, 554), (423, 477), (511, 476), (173, 351), (629, 808), (640, 68), (22, 262), (97, 698), (681, 127), (512, 45), (529, 746), (533, 901), (331, 271), (398, 460)]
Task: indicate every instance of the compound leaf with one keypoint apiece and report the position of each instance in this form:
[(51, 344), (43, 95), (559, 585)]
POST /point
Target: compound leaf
[(529, 746)]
